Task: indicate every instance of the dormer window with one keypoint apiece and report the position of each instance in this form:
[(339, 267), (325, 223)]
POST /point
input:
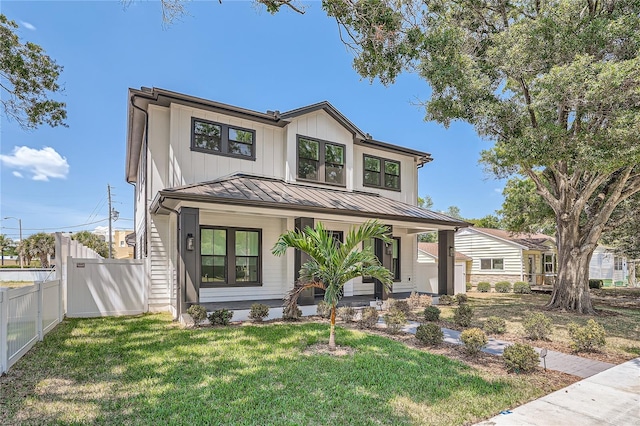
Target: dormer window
[(321, 161), (381, 173), (222, 139)]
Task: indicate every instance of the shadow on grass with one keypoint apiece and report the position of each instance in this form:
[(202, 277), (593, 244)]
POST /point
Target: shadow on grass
[(147, 370)]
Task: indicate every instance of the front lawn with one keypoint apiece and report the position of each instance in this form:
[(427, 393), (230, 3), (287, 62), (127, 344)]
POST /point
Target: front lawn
[(149, 370)]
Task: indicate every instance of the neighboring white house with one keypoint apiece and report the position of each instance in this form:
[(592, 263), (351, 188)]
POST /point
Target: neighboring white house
[(605, 265), (215, 186), (428, 270), (499, 255)]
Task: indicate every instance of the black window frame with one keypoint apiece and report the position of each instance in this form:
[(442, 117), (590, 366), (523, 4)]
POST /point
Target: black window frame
[(230, 259), (224, 139), (397, 273), (321, 161), (492, 261), (382, 172)]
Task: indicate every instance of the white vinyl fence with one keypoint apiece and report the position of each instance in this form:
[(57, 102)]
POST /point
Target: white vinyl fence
[(26, 315)]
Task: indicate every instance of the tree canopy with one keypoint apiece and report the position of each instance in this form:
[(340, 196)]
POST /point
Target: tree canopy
[(92, 241), (28, 78)]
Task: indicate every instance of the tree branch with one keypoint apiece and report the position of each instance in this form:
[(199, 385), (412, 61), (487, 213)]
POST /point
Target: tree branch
[(542, 190)]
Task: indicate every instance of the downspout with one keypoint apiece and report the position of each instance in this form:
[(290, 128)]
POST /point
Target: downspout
[(146, 177), (135, 209)]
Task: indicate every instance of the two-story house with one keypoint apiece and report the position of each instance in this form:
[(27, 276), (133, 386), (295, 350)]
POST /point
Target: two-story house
[(216, 185)]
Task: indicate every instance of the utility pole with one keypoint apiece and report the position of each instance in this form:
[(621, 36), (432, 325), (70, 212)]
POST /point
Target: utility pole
[(110, 217)]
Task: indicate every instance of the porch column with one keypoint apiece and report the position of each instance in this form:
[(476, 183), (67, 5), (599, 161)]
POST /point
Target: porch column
[(446, 262), (384, 252), (189, 252), (307, 296)]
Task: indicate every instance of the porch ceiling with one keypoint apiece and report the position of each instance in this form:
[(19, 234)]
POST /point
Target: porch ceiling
[(262, 192)]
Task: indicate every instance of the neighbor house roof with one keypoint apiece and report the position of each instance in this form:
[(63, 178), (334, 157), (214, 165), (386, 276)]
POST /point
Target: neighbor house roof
[(258, 191), (432, 250), (530, 241), (139, 100)]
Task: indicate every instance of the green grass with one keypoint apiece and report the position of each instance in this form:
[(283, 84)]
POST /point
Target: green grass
[(148, 370)]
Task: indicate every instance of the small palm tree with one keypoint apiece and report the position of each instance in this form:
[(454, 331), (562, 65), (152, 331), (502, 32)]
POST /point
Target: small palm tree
[(42, 246), (333, 263)]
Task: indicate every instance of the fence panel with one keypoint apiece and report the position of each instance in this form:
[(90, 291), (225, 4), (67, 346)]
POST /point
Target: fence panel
[(105, 287), (51, 302), (22, 325)]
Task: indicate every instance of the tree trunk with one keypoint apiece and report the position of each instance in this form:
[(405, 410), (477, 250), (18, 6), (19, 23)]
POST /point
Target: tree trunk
[(332, 332), (571, 290)]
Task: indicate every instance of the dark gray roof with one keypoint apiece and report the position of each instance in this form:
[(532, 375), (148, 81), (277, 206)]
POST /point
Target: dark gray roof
[(243, 189)]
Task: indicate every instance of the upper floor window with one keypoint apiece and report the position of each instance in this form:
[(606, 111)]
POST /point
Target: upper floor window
[(381, 173), (321, 161), (497, 264), (222, 139)]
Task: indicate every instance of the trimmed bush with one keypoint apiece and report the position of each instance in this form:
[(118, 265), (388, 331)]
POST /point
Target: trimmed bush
[(369, 317), (258, 312), (495, 325), (198, 313), (417, 300), (520, 358), (429, 334), (445, 299), (346, 313), (587, 338), (402, 306), (469, 286), (292, 313), (537, 326), (431, 313), (425, 300), (521, 287), (463, 315), (323, 309), (461, 298), (474, 340), (395, 319), (484, 287), (595, 283), (220, 317), (503, 286)]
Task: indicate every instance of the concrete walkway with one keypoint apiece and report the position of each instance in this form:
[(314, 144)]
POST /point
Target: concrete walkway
[(611, 397), (558, 361)]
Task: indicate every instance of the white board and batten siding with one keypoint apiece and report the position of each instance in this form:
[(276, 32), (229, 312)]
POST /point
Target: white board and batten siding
[(479, 246), (161, 262)]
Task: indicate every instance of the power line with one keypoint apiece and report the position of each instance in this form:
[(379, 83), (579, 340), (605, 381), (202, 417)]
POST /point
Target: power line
[(58, 227)]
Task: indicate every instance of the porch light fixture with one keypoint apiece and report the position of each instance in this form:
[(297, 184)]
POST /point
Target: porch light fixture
[(190, 242), (452, 252), (388, 248)]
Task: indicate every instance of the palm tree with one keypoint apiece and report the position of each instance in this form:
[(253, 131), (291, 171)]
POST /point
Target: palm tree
[(333, 263), (5, 242), (42, 245)]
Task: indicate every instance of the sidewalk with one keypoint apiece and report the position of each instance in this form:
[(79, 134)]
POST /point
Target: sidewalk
[(558, 361), (611, 397)]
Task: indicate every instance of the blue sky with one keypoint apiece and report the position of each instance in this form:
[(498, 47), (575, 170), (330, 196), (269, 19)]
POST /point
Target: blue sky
[(234, 52)]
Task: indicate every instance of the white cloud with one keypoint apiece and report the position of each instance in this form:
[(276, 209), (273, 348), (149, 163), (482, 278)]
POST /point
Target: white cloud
[(28, 26), (498, 190), (42, 164), (17, 174)]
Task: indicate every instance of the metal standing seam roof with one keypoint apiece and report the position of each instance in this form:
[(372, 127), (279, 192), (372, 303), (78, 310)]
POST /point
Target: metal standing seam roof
[(257, 191)]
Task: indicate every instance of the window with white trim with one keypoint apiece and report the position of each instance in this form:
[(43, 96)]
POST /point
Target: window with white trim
[(496, 264)]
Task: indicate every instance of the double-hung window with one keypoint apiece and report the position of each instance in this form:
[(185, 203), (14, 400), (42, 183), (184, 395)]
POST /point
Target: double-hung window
[(495, 264), (321, 161), (381, 173), (222, 139), (230, 256)]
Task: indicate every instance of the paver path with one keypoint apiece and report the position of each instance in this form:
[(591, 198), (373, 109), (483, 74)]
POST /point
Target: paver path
[(558, 361)]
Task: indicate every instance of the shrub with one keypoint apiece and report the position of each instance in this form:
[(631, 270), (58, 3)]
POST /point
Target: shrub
[(463, 315), (461, 298), (484, 287), (588, 337), (291, 313), (402, 306), (445, 299), (495, 325), (425, 300), (323, 309), (469, 286), (521, 287), (431, 313), (395, 319), (346, 313), (220, 317), (419, 300), (474, 340), (258, 312), (503, 286), (595, 283), (369, 317), (520, 357), (198, 313), (537, 326), (429, 334)]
